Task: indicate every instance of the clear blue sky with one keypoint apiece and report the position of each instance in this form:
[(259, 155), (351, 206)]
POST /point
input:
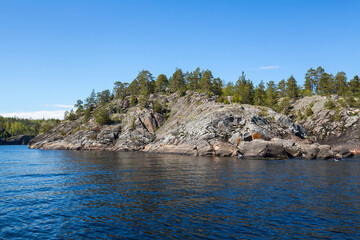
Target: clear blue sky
[(55, 52)]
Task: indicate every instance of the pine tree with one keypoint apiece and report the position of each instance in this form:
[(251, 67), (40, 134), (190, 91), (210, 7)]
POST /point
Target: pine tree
[(217, 86), (271, 95), (244, 90), (146, 83), (206, 82), (326, 84), (103, 97), (134, 87), (161, 83), (310, 82), (71, 116), (192, 79), (120, 90), (292, 89), (354, 86), (281, 89), (80, 108), (259, 94), (341, 86), (318, 74), (177, 81), (90, 101), (312, 79), (229, 90)]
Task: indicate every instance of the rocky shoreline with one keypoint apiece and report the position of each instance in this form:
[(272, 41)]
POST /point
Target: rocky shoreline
[(195, 125), (17, 140)]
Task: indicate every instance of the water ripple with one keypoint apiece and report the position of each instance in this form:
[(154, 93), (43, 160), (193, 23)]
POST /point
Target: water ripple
[(103, 195)]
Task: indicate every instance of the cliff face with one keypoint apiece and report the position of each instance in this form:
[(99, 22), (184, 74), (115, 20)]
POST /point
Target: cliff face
[(338, 125), (201, 126), (194, 124)]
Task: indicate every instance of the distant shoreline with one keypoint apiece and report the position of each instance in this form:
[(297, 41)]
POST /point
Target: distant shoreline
[(17, 140)]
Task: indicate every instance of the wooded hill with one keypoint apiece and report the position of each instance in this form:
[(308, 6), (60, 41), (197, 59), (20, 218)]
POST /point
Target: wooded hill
[(12, 126), (274, 95)]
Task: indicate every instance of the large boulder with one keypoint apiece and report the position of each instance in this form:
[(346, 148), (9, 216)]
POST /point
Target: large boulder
[(223, 149), (263, 149), (325, 152), (310, 151), (342, 151), (317, 151), (292, 148)]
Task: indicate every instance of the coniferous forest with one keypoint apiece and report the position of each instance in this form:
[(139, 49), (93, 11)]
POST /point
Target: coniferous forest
[(271, 94), (276, 95)]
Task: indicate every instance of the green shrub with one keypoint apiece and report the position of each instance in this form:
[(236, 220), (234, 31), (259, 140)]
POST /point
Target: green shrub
[(71, 116), (264, 112), (352, 102), (46, 126), (284, 106), (182, 91), (309, 112), (299, 115), (102, 116), (117, 118), (329, 104), (236, 98), (87, 115), (337, 116), (119, 110), (132, 123), (158, 108), (342, 103), (133, 101), (223, 99)]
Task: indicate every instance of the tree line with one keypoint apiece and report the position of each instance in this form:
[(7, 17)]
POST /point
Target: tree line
[(273, 95), (12, 126)]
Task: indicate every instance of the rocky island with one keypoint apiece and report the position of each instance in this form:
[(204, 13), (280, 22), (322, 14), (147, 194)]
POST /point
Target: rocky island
[(199, 125), (205, 123)]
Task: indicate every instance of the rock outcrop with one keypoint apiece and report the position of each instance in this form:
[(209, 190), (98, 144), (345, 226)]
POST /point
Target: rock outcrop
[(193, 124), (201, 126), (338, 126)]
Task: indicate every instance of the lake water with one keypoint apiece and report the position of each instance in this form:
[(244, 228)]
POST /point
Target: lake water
[(48, 194)]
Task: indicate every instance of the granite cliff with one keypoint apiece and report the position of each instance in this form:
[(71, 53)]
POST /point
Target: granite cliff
[(198, 125), (329, 120)]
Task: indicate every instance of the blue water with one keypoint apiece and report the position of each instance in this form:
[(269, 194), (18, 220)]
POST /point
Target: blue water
[(106, 195)]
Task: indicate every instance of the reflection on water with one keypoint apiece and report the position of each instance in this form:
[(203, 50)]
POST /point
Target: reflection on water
[(81, 195)]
